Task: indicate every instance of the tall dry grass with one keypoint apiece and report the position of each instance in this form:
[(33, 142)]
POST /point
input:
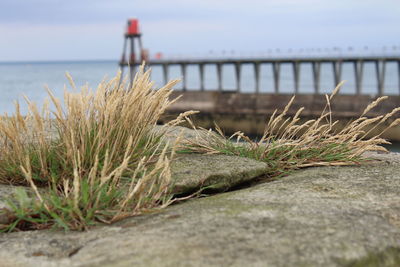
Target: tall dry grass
[(288, 143), (95, 154)]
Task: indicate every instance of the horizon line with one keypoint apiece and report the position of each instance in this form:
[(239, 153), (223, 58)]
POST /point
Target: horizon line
[(55, 61)]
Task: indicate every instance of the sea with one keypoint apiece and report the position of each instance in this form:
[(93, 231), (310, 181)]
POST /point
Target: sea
[(27, 80)]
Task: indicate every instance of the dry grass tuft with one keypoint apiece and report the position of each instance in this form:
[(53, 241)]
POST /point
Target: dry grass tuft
[(288, 144), (96, 159), (95, 154)]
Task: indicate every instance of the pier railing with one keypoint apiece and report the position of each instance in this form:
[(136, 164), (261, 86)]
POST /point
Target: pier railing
[(316, 62)]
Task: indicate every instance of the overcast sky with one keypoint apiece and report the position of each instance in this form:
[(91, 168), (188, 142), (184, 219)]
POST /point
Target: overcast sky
[(93, 29)]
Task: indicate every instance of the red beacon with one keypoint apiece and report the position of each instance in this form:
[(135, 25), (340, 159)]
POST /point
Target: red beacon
[(129, 57), (133, 27)]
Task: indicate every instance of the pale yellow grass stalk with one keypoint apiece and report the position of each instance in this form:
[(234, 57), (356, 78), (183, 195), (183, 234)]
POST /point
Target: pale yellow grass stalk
[(102, 138), (295, 144)]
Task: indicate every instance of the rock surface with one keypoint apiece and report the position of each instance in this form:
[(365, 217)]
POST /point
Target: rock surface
[(327, 216), (191, 172)]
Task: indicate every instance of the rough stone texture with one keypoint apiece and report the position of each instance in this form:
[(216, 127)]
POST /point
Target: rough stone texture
[(7, 193), (171, 133), (219, 172), (328, 216), (191, 172)]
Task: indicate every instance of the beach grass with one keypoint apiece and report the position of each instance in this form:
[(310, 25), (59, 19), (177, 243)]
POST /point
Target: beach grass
[(96, 159), (288, 143), (93, 159)]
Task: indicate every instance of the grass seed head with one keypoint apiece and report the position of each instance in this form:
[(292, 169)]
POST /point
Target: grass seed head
[(95, 155)]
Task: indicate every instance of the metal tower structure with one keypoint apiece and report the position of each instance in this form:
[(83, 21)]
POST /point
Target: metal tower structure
[(131, 35)]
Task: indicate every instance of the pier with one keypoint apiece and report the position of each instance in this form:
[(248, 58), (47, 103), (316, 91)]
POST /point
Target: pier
[(247, 109), (249, 112), (276, 63)]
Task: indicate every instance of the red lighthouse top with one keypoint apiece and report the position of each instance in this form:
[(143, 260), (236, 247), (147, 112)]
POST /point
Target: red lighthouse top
[(133, 27)]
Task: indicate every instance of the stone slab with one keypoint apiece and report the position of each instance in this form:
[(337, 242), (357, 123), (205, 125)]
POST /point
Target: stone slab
[(326, 216)]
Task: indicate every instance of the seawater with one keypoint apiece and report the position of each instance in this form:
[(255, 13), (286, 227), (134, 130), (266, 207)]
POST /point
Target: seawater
[(30, 78)]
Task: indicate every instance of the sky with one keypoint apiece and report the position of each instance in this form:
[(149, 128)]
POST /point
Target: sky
[(35, 30)]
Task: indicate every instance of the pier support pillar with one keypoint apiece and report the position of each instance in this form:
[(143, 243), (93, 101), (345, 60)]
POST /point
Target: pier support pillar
[(219, 76), (123, 61), (238, 76), (398, 69), (276, 68), (337, 72), (358, 72), (257, 76), (165, 73), (201, 72), (380, 66), (296, 76), (316, 67), (184, 77), (132, 61)]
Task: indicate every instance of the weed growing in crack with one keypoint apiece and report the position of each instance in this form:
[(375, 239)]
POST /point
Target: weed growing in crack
[(288, 144), (94, 159)]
